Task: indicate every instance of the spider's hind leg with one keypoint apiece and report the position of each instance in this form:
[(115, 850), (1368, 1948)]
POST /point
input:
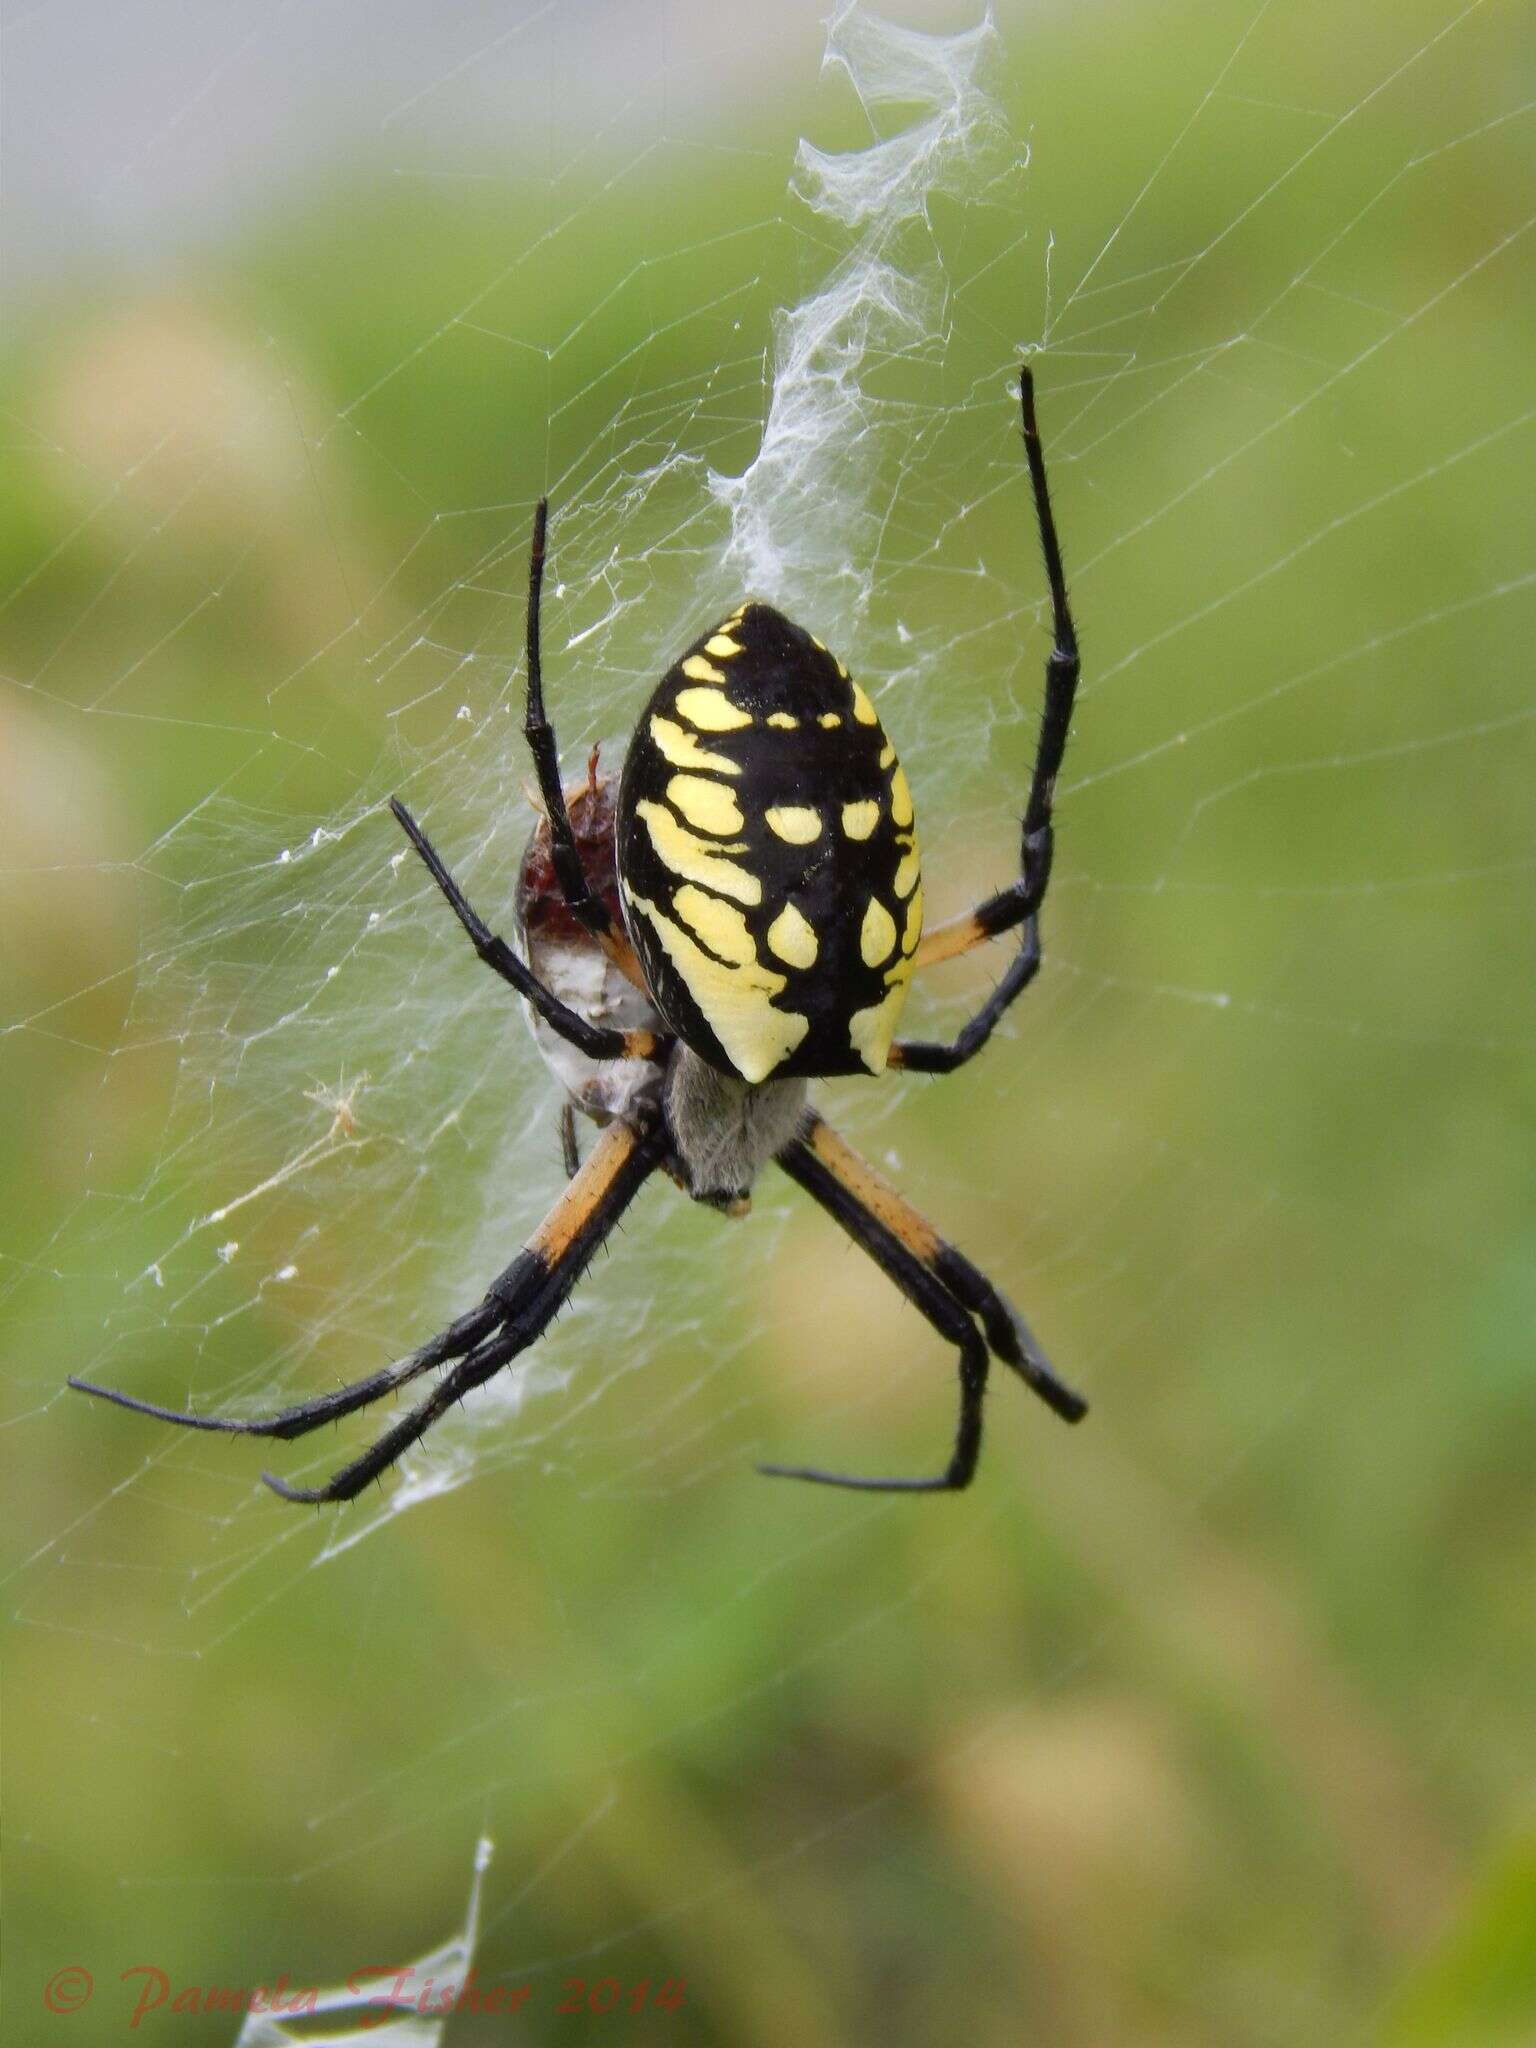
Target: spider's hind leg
[(939, 1282), (932, 1301), (528, 1296), (1008, 1334), (461, 1335), (517, 1308)]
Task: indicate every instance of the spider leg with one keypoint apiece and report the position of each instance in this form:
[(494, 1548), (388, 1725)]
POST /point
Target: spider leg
[(584, 904), (527, 1296), (1020, 903), (597, 1041), (460, 1336), (932, 1300), (468, 1373), (927, 1056), (941, 1284), (570, 1151), (1007, 1332)]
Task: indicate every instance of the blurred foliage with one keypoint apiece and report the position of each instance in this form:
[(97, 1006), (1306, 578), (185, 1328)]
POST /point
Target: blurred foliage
[(1208, 1724)]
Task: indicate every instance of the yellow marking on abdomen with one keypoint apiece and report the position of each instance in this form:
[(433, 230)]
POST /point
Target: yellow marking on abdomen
[(877, 934), (901, 800), (720, 925), (708, 806), (735, 1000), (908, 868), (695, 860), (793, 938), (860, 819), (870, 1031), (681, 750), (797, 823), (710, 710)]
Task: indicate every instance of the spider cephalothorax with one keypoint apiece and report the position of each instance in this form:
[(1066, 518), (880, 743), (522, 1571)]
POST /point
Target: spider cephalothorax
[(743, 917)]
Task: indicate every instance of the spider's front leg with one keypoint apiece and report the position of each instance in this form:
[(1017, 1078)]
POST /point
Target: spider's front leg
[(582, 900), (1018, 905), (597, 1041)]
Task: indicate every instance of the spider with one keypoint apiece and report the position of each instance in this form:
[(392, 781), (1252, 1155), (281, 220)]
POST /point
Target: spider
[(749, 907)]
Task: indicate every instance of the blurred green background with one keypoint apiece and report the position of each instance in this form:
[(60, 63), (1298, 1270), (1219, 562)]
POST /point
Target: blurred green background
[(1208, 1723)]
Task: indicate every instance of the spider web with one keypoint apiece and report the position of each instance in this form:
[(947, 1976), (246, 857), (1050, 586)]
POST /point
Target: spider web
[(747, 302)]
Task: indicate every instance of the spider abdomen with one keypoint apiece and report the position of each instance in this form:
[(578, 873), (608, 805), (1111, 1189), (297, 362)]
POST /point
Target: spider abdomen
[(767, 856)]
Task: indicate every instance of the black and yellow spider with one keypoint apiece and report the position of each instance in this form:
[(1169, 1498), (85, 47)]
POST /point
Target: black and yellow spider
[(750, 910)]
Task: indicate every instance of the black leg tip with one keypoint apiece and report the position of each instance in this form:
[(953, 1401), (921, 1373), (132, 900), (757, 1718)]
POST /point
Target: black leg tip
[(942, 1483), (151, 1408), (111, 1394), (1061, 1399), (297, 1493)]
